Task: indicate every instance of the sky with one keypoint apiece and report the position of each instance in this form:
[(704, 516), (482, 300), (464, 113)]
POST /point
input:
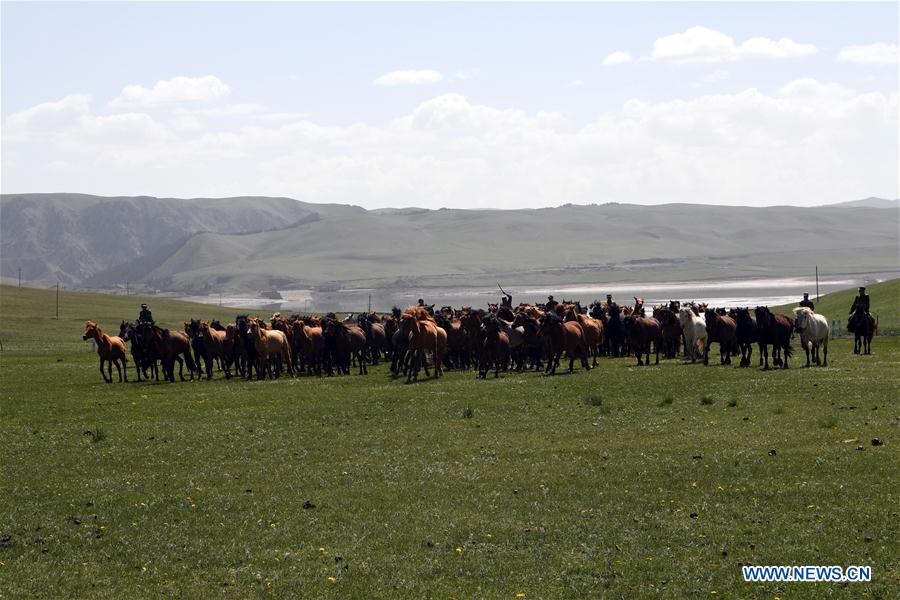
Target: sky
[(461, 105)]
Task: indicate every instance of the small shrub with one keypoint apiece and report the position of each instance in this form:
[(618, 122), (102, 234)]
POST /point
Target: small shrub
[(468, 412), (732, 403), (706, 400), (97, 435), (594, 400), (778, 410), (667, 401)]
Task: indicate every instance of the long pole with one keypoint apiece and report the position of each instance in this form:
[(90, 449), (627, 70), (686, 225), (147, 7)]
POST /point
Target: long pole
[(817, 283), (57, 298), (370, 303), (20, 277)]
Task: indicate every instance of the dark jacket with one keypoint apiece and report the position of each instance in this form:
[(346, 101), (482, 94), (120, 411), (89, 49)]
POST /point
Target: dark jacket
[(808, 304), (861, 301)]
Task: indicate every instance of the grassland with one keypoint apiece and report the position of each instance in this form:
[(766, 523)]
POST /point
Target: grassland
[(619, 482)]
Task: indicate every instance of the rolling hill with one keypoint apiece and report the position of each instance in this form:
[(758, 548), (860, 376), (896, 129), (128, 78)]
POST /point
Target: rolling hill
[(243, 244)]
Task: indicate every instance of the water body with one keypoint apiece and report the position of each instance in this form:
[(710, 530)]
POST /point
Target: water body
[(723, 293)]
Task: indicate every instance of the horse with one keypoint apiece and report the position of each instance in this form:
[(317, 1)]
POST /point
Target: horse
[(559, 336), (198, 345), (746, 334), (345, 343), (110, 349), (695, 335), (722, 330), (271, 343), (615, 332), (863, 326), (417, 325), (593, 331), (376, 337), (532, 345), (813, 330), (170, 347), (309, 344), (142, 359), (775, 331), (640, 331), (671, 330), (495, 350), (217, 345), (245, 355)]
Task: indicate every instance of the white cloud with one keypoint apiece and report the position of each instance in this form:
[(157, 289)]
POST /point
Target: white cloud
[(232, 110), (280, 116), (703, 45), (619, 57), (172, 91), (410, 77), (575, 84), (806, 142), (870, 54)]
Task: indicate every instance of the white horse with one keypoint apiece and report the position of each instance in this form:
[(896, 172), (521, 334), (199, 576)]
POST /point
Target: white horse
[(813, 331), (694, 328)]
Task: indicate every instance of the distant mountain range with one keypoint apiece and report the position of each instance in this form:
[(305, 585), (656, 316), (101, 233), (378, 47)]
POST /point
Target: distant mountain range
[(260, 243)]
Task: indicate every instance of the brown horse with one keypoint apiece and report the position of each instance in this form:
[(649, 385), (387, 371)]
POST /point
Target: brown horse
[(344, 343), (271, 343), (593, 332), (863, 327), (671, 330), (560, 336), (640, 332), (110, 349), (376, 338), (309, 345), (495, 350), (721, 329), (773, 330), (218, 346), (746, 334), (170, 347), (424, 335)]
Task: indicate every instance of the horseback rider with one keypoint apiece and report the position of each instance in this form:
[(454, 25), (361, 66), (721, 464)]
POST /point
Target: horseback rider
[(506, 301), (609, 300), (146, 316), (807, 302), (551, 303), (861, 302)]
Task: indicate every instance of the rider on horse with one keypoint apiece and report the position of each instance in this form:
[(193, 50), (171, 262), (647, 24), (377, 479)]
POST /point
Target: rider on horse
[(807, 302), (861, 302), (146, 316)]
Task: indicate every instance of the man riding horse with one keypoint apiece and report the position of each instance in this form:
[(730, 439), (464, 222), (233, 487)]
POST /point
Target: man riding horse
[(860, 303), (807, 302), (146, 316)]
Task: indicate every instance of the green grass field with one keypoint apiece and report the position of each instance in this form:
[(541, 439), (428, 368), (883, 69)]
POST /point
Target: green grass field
[(619, 482)]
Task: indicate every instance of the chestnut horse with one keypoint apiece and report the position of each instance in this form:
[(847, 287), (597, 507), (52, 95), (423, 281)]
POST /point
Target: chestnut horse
[(746, 334), (216, 345), (559, 336), (424, 335), (271, 343), (110, 349), (593, 332), (863, 327), (671, 330), (308, 346), (722, 330), (775, 331), (640, 332)]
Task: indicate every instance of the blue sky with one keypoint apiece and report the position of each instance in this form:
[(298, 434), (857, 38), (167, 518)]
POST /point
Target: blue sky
[(525, 111)]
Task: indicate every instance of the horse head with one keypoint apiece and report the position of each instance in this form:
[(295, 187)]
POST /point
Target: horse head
[(91, 330)]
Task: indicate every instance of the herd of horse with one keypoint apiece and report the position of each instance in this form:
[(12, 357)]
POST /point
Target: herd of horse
[(527, 337)]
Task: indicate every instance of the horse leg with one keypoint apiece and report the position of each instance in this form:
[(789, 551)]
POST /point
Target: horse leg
[(102, 372), (825, 352), (119, 369)]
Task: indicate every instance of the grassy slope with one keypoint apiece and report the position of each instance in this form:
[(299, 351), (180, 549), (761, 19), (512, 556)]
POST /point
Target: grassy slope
[(198, 488), (884, 298)]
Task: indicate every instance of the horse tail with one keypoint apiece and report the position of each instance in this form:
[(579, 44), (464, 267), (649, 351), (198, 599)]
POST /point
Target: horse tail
[(192, 366), (701, 344)]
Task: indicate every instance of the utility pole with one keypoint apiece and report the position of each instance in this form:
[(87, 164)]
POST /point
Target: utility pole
[(220, 298), (126, 288), (20, 277), (817, 283), (57, 299), (370, 303)]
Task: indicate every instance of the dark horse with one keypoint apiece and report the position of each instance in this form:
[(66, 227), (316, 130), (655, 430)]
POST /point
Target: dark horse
[(141, 354), (862, 325), (775, 331), (746, 334)]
